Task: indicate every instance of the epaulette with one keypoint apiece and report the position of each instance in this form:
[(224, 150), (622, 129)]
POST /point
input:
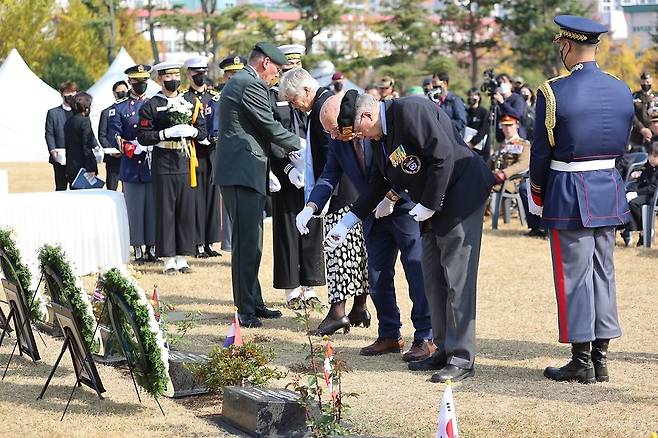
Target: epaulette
[(183, 90), (212, 91), (551, 106), (522, 141), (610, 74), (215, 95)]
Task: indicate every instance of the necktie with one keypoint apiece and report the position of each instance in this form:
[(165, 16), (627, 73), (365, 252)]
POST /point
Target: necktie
[(360, 156)]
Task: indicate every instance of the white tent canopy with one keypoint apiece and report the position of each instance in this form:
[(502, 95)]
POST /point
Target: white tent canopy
[(101, 91), (27, 99)]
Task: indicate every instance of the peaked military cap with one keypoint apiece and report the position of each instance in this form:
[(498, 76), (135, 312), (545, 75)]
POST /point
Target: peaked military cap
[(293, 51), (139, 71), (579, 29), (386, 82), (272, 52), (347, 114), (232, 63), (508, 119), (168, 67), (198, 63)]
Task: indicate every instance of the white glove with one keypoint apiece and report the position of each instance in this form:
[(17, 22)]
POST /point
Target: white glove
[(302, 143), (302, 219), (630, 196), (296, 178), (297, 159), (182, 130), (384, 208), (336, 236), (138, 148), (421, 213), (534, 208), (275, 185)]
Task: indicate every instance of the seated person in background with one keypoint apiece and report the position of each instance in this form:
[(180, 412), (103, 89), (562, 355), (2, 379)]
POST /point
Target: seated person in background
[(641, 193), (79, 139), (513, 158)]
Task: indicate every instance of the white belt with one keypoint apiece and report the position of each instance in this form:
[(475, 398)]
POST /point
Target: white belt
[(582, 166)]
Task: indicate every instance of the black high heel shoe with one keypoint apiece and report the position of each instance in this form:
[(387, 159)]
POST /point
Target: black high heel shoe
[(362, 317), (329, 326)]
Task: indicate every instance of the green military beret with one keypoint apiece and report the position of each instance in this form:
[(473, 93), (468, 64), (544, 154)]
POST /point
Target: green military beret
[(272, 52)]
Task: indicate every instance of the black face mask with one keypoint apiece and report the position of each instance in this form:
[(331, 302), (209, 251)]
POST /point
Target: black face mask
[(471, 101), (199, 80), (172, 85), (338, 86), (121, 94), (140, 88), (646, 87), (69, 100)]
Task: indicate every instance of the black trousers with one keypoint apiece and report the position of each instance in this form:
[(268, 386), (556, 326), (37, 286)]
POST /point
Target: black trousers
[(207, 205), (175, 232), (636, 211), (61, 181), (111, 177), (298, 260), (245, 208)]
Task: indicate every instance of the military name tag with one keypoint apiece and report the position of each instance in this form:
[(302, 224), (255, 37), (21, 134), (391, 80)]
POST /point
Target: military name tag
[(411, 165), (397, 156), (161, 108)]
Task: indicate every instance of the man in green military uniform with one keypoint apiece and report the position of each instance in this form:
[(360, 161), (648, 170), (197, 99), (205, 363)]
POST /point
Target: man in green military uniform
[(246, 131)]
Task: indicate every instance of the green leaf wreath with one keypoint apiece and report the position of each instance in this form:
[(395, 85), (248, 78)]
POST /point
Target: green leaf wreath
[(24, 278), (72, 295), (152, 370)]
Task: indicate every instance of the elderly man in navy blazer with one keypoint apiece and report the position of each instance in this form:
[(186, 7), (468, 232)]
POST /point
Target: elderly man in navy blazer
[(389, 230)]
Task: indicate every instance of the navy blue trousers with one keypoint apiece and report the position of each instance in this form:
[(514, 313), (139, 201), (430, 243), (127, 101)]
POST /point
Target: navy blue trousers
[(385, 238)]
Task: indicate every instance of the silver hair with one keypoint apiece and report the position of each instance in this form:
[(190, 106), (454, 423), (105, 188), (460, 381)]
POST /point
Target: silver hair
[(294, 81), (364, 103)]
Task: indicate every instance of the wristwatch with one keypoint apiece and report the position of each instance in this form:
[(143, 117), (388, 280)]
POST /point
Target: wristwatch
[(392, 196)]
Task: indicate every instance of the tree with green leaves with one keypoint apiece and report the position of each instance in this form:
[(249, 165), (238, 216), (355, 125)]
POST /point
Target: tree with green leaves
[(531, 23), (408, 29), (25, 25), (467, 19), (315, 16)]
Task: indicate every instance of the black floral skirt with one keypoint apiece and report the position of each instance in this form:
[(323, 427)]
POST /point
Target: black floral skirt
[(347, 265)]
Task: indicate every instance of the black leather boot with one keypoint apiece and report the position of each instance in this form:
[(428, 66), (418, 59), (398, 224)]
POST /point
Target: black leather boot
[(579, 369), (600, 359)]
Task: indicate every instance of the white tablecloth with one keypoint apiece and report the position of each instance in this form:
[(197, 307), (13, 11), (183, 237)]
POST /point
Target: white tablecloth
[(90, 225)]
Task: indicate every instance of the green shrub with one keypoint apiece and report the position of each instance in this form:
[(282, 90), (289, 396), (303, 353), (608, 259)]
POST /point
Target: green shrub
[(236, 365)]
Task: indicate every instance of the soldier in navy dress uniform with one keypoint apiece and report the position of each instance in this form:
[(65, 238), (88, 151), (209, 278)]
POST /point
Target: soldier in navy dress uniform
[(229, 65), (135, 166), (298, 260), (169, 122), (416, 149), (583, 123), (206, 193)]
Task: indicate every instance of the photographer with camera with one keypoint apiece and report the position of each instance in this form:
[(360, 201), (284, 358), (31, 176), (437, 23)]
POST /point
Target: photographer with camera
[(450, 103), (508, 102)]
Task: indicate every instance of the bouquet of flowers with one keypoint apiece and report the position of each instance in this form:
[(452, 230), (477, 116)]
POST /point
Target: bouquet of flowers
[(179, 112)]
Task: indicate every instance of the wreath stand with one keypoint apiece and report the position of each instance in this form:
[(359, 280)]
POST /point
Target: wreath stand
[(83, 363), (20, 314)]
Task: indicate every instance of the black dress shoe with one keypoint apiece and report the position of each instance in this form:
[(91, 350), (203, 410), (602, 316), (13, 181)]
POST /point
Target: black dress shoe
[(537, 232), (170, 271), (201, 255), (185, 270), (249, 320), (452, 373), (361, 317), (211, 252), (264, 312), (433, 363), (329, 326), (600, 359)]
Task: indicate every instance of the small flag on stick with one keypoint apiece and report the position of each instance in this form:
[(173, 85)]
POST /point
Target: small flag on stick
[(234, 337), (447, 427), (328, 367)]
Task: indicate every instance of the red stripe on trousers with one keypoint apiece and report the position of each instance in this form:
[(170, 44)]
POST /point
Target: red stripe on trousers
[(559, 285)]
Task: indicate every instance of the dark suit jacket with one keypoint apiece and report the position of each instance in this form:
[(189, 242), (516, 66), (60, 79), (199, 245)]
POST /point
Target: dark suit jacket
[(247, 128), (80, 142), (436, 169), (55, 120), (341, 163), (112, 163)]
